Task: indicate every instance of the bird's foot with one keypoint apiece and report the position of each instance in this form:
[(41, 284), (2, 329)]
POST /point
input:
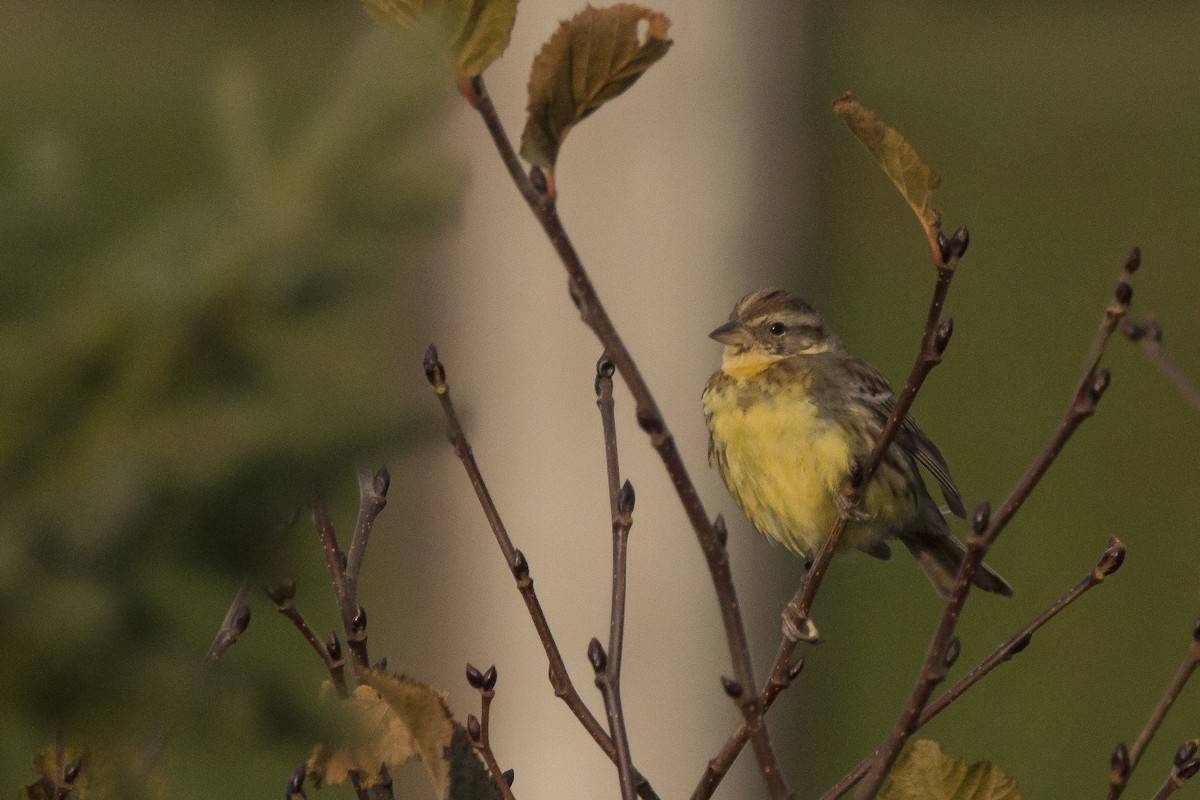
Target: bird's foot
[(848, 509)]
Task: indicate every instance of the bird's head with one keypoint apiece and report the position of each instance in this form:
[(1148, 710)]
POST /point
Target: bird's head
[(770, 324)]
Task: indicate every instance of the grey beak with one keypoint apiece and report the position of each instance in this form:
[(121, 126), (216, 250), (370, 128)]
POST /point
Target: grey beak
[(733, 333)]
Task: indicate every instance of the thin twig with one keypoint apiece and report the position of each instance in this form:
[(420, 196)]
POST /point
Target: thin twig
[(1109, 563), (1183, 769), (560, 679), (478, 728), (1119, 778), (1087, 393), (620, 501), (334, 560), (233, 626), (372, 497), (1148, 333), (797, 623), (283, 595), (651, 420)]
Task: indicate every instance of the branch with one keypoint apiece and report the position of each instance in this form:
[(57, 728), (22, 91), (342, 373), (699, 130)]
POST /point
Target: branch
[(283, 595), (1124, 761), (478, 729), (797, 624), (1184, 768), (651, 421), (335, 560), (1148, 333), (620, 501), (1109, 563), (987, 528), (372, 497), (519, 566)]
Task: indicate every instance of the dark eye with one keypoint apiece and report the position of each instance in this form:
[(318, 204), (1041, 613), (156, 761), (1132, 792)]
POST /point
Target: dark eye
[(777, 329)]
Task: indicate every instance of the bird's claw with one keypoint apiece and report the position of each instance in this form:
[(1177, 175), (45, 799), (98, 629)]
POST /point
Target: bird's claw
[(848, 509)]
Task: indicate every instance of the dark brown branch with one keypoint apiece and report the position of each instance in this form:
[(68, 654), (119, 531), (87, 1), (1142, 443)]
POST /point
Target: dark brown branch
[(478, 729), (1109, 562), (797, 623), (651, 421), (283, 595), (335, 561), (1130, 758), (1148, 334), (372, 497), (620, 501), (1087, 393), (519, 566)]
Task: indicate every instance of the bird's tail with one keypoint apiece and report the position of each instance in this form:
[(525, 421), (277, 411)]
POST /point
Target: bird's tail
[(940, 556)]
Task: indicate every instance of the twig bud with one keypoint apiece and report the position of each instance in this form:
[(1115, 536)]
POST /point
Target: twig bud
[(1113, 557), (538, 179), (489, 678), (282, 591), (604, 371), (732, 687), (795, 669), (385, 778), (983, 516), (358, 623), (625, 499), (953, 648), (959, 241), (650, 422), (720, 530), (381, 664), (241, 620), (596, 655), (519, 566), (1020, 644), (1120, 764), (1100, 381), (509, 776), (333, 646), (1123, 293), (382, 481), (573, 291), (1133, 260), (474, 676), (435, 373), (941, 337), (341, 556), (474, 732), (1196, 631), (71, 771), (296, 782), (1188, 770), (943, 246), (1186, 752)]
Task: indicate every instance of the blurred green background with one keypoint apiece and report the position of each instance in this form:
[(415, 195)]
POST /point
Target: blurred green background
[(213, 225)]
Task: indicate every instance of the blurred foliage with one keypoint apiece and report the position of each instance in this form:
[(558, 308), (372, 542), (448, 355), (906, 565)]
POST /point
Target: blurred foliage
[(1063, 133), (208, 215)]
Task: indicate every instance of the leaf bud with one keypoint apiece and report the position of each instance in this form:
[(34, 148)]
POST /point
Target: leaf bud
[(538, 178), (959, 242), (519, 566), (1123, 293), (71, 770), (795, 669), (604, 371), (296, 782), (1020, 644), (1133, 260), (382, 481), (943, 246), (625, 498), (732, 687), (381, 664), (720, 530), (241, 620), (953, 649), (358, 623), (435, 373), (1188, 770), (983, 516), (596, 655), (489, 678), (474, 732), (650, 422), (474, 676), (1186, 752), (1120, 764), (1196, 631), (1113, 557), (282, 591), (385, 778), (334, 647), (941, 337), (509, 776)]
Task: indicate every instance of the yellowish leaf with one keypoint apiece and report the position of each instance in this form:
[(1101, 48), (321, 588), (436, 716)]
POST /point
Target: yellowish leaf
[(915, 179), (590, 59), (475, 32), (925, 772)]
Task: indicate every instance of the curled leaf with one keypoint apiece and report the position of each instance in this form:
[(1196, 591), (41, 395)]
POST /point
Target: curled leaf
[(590, 59), (925, 772), (915, 179), (475, 32)]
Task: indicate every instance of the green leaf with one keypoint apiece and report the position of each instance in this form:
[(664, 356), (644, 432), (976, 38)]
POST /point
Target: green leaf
[(915, 179), (925, 772), (475, 32), (590, 59)]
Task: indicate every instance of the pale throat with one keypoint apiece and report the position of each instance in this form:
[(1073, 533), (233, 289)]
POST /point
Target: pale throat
[(741, 364)]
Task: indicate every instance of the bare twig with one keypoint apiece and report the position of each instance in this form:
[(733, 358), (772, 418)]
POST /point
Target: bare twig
[(1148, 333), (797, 624), (620, 501), (1109, 563), (1090, 388), (335, 560), (372, 497), (560, 679), (650, 419), (478, 728), (1127, 760), (283, 595)]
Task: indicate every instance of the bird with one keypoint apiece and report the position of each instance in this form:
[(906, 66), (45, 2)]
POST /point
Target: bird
[(791, 414)]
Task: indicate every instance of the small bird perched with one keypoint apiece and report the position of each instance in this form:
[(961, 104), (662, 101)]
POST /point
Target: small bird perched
[(791, 411)]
